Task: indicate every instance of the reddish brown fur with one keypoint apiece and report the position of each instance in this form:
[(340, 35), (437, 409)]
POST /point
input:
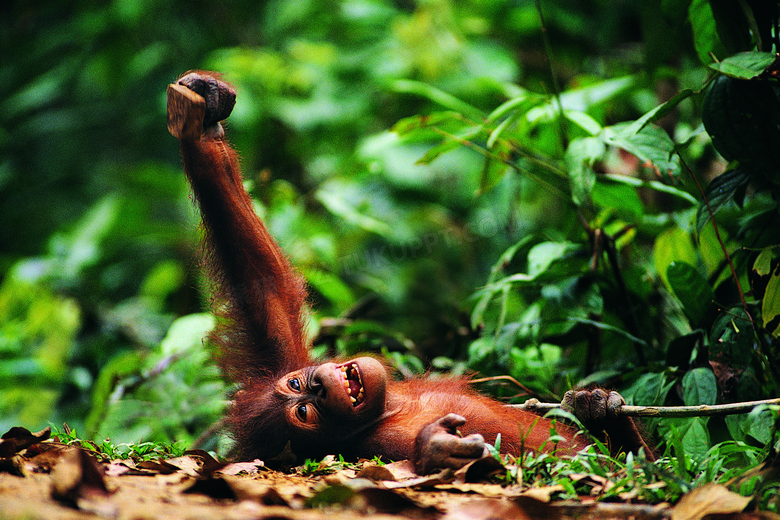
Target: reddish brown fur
[(422, 401), (264, 297), (261, 338)]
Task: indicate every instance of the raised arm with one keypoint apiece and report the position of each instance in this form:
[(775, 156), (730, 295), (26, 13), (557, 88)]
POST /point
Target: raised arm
[(263, 296), (348, 407)]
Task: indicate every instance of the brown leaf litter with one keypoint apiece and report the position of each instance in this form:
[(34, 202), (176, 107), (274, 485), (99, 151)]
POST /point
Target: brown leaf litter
[(41, 478)]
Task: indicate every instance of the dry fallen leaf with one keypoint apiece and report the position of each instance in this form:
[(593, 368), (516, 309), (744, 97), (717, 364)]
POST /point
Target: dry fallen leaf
[(43, 460), (479, 470), (260, 492), (249, 468), (543, 494), (77, 480), (188, 464), (706, 500), (487, 509), (376, 473), (16, 439), (119, 467), (76, 475), (401, 470), (161, 467), (443, 477), (485, 490), (208, 464)]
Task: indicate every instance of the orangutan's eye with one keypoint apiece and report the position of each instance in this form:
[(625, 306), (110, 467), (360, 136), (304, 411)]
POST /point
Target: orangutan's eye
[(295, 384), (301, 412)]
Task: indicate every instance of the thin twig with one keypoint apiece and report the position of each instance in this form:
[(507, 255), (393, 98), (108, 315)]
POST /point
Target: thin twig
[(511, 379), (701, 410), (487, 153), (722, 245), (553, 75)]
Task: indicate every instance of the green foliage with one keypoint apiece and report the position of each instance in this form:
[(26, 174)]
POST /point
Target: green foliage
[(745, 65), (173, 393), (692, 290), (109, 450), (665, 479), (587, 292), (37, 328), (329, 464), (741, 117), (451, 206)]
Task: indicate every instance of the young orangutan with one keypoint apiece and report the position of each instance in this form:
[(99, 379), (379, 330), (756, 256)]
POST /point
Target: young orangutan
[(352, 407)]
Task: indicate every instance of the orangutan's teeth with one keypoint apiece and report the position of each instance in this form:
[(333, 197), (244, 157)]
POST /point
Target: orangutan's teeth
[(353, 399)]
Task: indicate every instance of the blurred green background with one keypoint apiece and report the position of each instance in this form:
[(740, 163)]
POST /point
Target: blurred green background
[(102, 304)]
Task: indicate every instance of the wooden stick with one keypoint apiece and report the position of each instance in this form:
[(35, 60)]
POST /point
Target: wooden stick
[(533, 405), (186, 111)]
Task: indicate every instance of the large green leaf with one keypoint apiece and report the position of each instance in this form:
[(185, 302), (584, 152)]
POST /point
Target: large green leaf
[(507, 256), (696, 436), (745, 65), (584, 121), (581, 154), (705, 31), (763, 263), (721, 190), (649, 390), (620, 197), (770, 306), (689, 436), (584, 98), (673, 245), (338, 206), (659, 111), (650, 144), (541, 256), (486, 295), (81, 248), (699, 387), (186, 333), (731, 21), (420, 125), (581, 99), (693, 291), (759, 424), (637, 183), (438, 96)]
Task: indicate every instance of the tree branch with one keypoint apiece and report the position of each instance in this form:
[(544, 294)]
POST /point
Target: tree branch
[(533, 405)]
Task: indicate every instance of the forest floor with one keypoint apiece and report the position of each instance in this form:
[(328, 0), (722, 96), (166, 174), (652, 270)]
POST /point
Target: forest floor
[(48, 480), (259, 494)]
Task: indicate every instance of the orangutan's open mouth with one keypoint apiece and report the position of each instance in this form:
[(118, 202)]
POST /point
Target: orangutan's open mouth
[(352, 383)]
